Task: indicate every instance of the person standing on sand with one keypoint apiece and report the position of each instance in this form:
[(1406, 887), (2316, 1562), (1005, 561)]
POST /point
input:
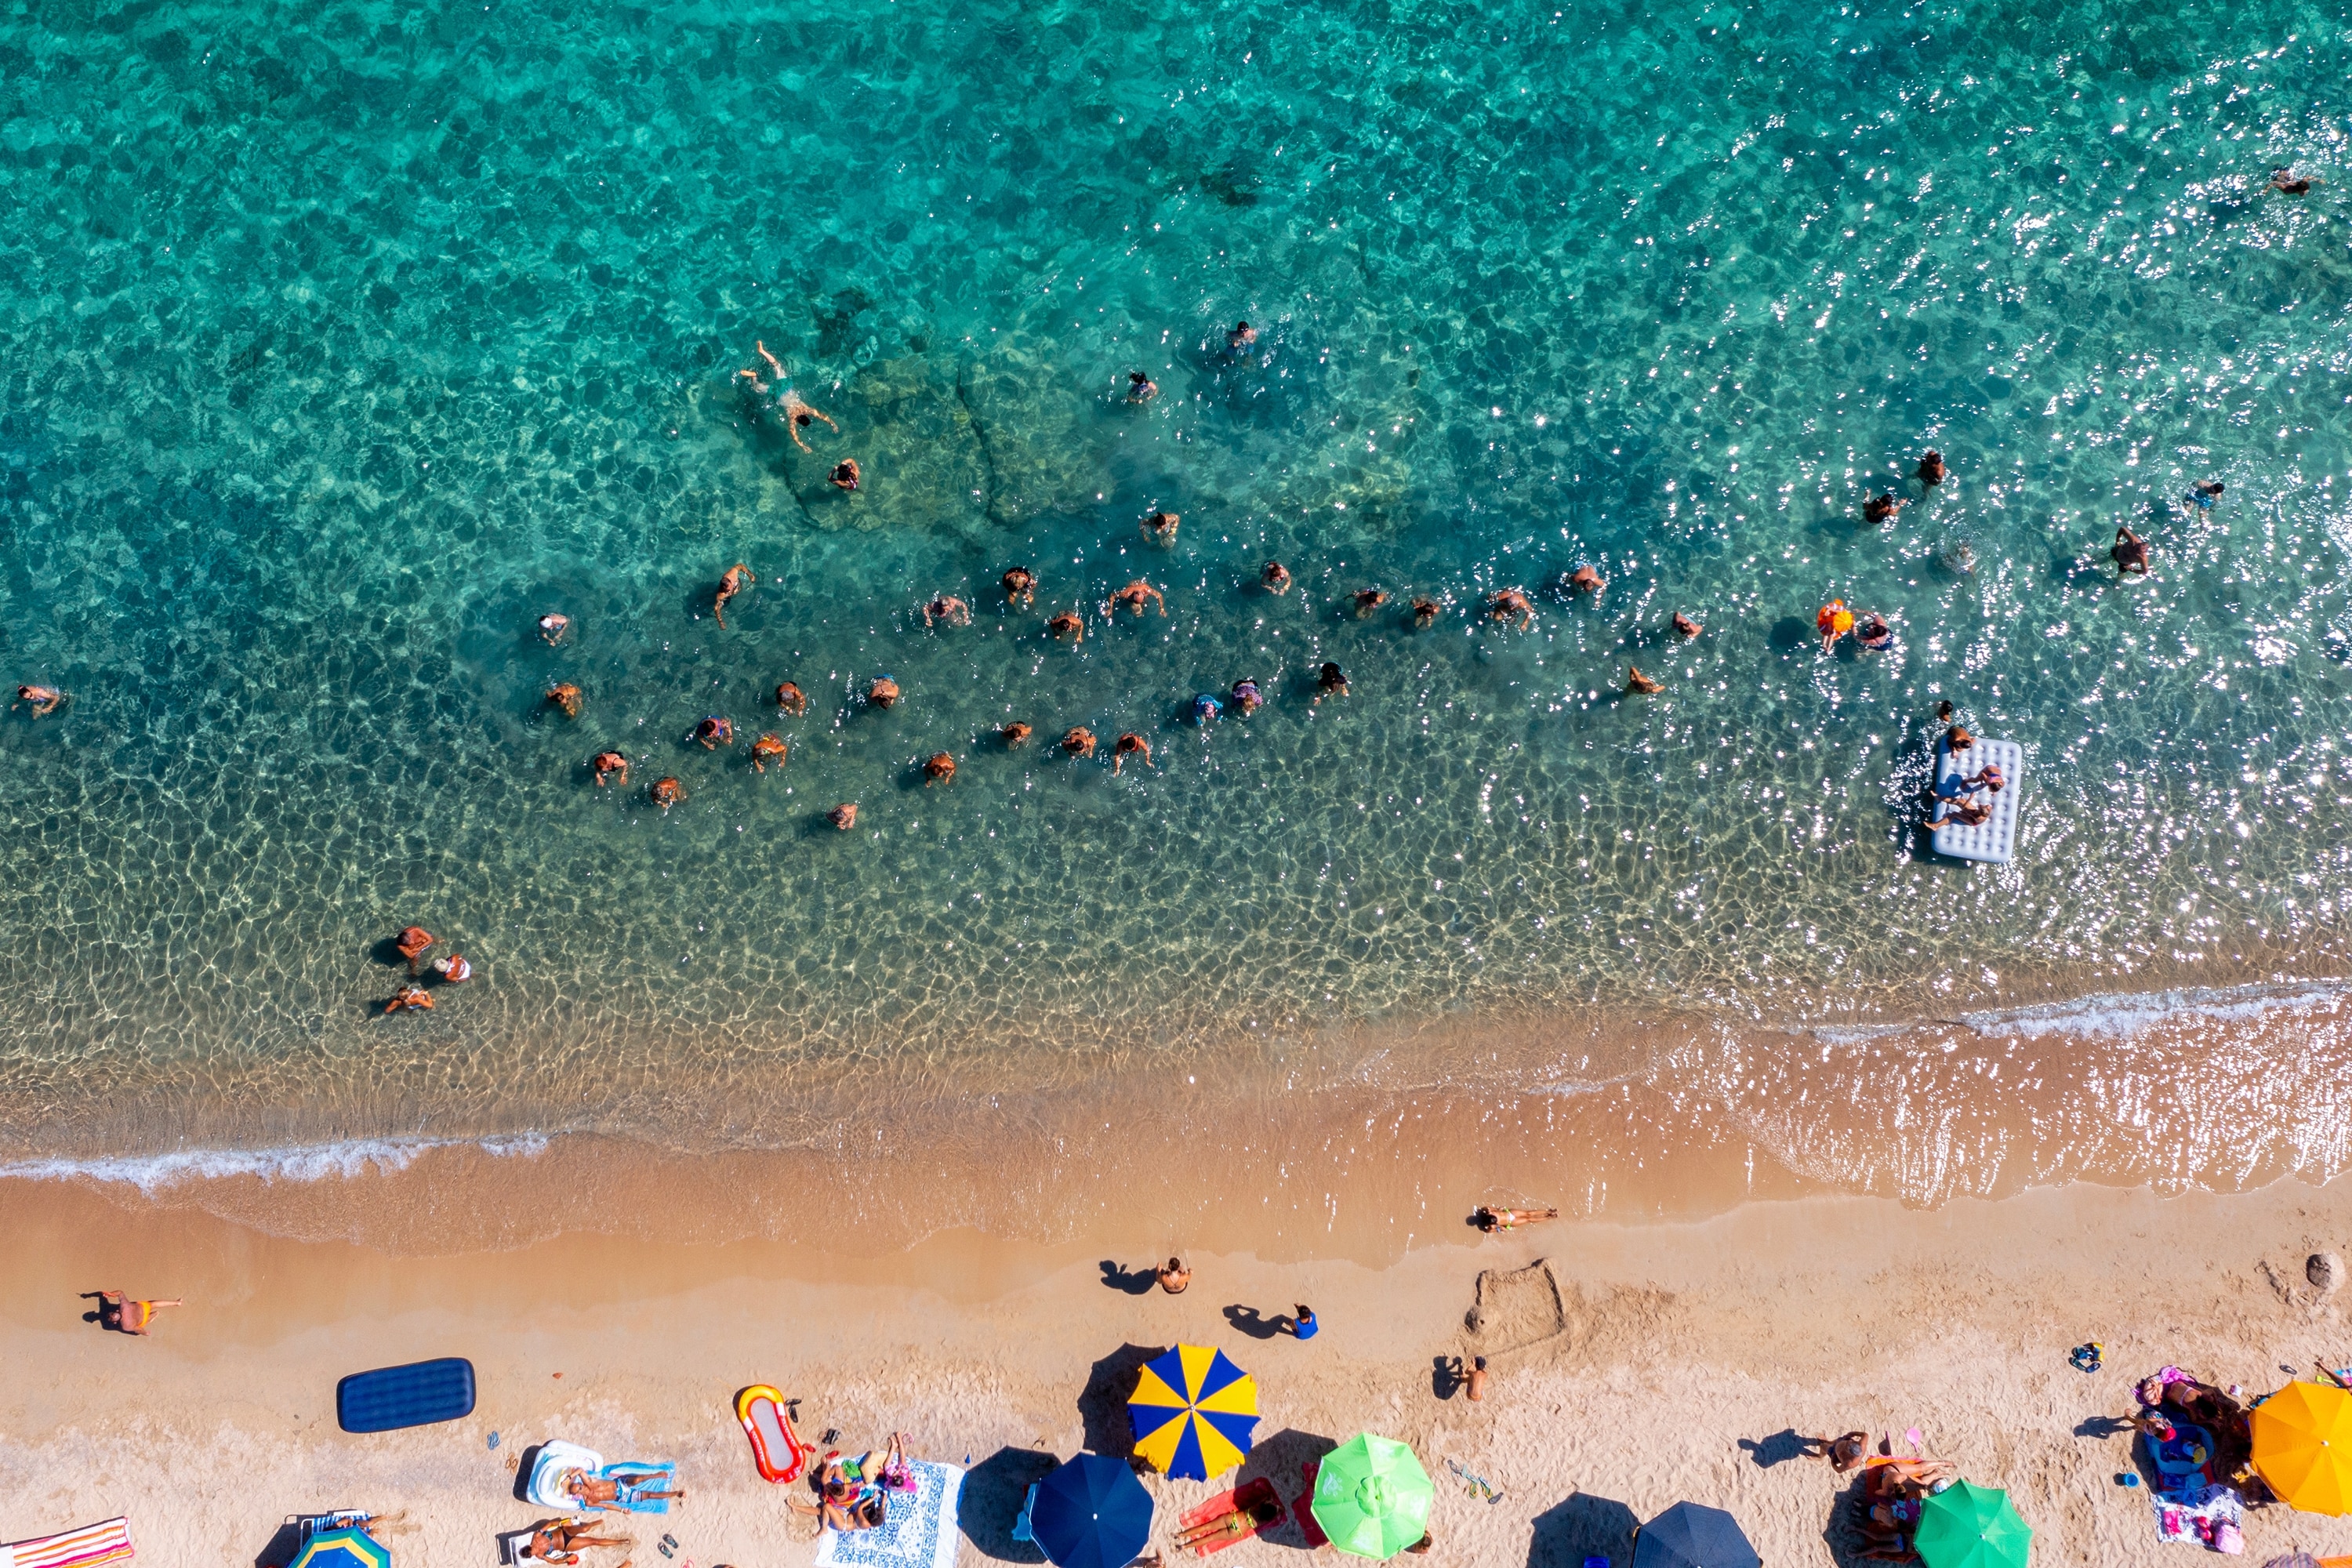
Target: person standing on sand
[(125, 1315), (1175, 1277)]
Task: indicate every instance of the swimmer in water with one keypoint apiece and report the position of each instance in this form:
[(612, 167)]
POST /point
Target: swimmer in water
[(42, 700), (737, 578), (551, 627), (2129, 552), (882, 691), (1079, 743), (1685, 627), (1367, 600), (409, 998), (1241, 337), (1140, 388), (1873, 632), (667, 793), (1832, 620), (1206, 709), (1020, 586), (765, 747), (1585, 579), (607, 764), (844, 816), (715, 733), (1881, 507), (453, 969), (790, 699), (1245, 695), (1067, 625), (1129, 746), (1931, 469), (565, 695), (1274, 577), (1958, 739), (937, 768), (2288, 183), (1642, 684), (846, 475), (949, 608), (2203, 494), (1512, 605), (1132, 597), (795, 413), (1330, 681), (1425, 613), (1013, 734), (412, 941), (1161, 527)]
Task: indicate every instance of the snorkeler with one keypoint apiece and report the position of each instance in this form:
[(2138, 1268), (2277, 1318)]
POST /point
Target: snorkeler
[(1425, 612), (1643, 684), (795, 413), (790, 699), (737, 578), (1020, 586), (552, 626), (949, 608), (605, 764), (937, 768), (765, 747), (1079, 743), (1129, 746), (2129, 552), (1832, 620), (1013, 734), (1161, 527), (667, 793), (42, 700), (1585, 579), (1511, 604), (846, 475), (1687, 628), (566, 696), (1246, 696), (1880, 508), (882, 691), (715, 733), (1140, 388), (1931, 469), (844, 816), (1330, 681), (1367, 600), (1133, 595)]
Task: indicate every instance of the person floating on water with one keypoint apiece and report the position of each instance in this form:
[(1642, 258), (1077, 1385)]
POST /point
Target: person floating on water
[(1245, 695), (1140, 388), (846, 475), (566, 696), (1685, 627), (790, 699), (1881, 507), (667, 793), (1642, 685), (609, 764), (1586, 580), (1512, 605), (1161, 527), (844, 816), (42, 700), (1020, 586), (412, 941), (1013, 734), (1931, 469), (1832, 620), (1067, 624), (715, 733), (1078, 743), (795, 413), (937, 768), (764, 750), (737, 578), (2204, 494), (949, 608), (1425, 612), (1274, 577), (1970, 813), (1132, 597), (453, 969), (2129, 552), (1330, 681), (882, 691), (1367, 600), (551, 627)]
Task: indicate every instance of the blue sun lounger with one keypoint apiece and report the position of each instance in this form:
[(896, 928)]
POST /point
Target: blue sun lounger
[(1994, 840)]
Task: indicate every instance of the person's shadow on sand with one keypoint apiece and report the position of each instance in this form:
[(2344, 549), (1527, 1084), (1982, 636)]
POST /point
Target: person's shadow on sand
[(1250, 1322), (1134, 1281), (1779, 1447)]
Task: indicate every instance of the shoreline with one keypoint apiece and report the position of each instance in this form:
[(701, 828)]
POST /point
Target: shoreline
[(1678, 1360)]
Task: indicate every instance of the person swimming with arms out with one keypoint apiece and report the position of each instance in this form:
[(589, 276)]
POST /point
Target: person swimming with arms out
[(42, 700), (949, 608), (1078, 743), (790, 407), (765, 748), (1132, 597), (609, 764), (1066, 626), (2288, 183), (1511, 604)]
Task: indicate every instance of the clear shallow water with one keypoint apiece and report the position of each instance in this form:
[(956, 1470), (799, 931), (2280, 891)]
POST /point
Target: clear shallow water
[(342, 343)]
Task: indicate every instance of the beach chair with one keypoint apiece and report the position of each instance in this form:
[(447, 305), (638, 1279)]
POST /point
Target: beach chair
[(1021, 1520), (1239, 1500)]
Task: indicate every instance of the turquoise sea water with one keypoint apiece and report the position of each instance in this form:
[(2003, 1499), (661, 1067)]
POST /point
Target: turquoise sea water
[(341, 341)]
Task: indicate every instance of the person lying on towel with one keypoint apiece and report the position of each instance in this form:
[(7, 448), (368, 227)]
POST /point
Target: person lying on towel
[(590, 1491)]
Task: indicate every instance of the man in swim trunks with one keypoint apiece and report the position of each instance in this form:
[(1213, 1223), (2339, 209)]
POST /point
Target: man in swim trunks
[(938, 768), (606, 765), (1241, 337), (2129, 552), (949, 608), (790, 699), (1079, 743), (1067, 624), (796, 413), (737, 578), (1129, 746), (1132, 597), (1020, 586)]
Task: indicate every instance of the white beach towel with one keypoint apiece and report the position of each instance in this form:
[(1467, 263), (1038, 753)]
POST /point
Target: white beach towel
[(555, 1457), (917, 1530), (1996, 840)]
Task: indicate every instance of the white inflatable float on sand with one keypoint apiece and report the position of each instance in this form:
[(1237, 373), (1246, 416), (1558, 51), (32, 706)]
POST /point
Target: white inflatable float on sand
[(1995, 840)]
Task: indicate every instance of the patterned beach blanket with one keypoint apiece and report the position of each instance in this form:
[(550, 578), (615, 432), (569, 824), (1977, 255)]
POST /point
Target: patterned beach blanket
[(108, 1540), (918, 1530)]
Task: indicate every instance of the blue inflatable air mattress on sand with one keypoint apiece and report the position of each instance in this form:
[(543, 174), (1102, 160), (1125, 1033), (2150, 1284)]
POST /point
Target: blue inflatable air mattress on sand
[(417, 1394)]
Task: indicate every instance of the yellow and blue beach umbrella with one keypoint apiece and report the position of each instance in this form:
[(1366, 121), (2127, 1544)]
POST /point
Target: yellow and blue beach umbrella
[(347, 1548), (1194, 1413)]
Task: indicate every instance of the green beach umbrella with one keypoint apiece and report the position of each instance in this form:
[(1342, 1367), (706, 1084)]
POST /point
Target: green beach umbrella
[(1371, 1497), (1966, 1526)]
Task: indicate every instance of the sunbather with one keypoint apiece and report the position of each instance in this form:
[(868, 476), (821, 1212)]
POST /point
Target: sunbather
[(125, 1314), (559, 1542), (604, 1492), (1508, 1219), (1230, 1526)]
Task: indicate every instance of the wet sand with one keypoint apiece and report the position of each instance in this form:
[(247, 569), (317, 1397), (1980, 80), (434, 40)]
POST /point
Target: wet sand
[(1635, 1365)]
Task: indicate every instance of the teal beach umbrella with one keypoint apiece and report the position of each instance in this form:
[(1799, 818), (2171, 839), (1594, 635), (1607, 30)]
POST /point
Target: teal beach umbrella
[(1966, 1526)]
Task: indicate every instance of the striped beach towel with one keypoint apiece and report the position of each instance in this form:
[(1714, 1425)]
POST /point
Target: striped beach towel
[(108, 1540)]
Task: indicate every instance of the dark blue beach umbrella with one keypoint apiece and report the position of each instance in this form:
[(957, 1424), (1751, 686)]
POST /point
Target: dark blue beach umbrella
[(1689, 1536), (1091, 1513)]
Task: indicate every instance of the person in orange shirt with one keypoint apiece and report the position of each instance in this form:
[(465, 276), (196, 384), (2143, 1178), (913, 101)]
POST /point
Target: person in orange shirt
[(1833, 621)]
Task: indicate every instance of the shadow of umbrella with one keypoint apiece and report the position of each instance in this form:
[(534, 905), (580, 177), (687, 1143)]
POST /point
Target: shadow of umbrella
[(1102, 1405), (1582, 1526), (1281, 1460), (991, 1499)]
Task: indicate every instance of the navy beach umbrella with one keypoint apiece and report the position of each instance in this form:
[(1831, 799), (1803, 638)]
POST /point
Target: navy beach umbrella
[(1091, 1513), (1689, 1536)]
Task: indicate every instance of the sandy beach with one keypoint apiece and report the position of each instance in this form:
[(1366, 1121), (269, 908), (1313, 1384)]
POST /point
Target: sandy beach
[(1634, 1365)]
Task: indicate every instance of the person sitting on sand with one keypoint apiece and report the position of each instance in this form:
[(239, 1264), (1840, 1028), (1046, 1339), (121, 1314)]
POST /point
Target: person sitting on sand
[(1175, 1277), (1128, 745), (1330, 681), (453, 969), (1512, 605), (1079, 743), (791, 699), (714, 732), (1140, 388), (1273, 577), (1246, 696), (737, 578), (1020, 586), (409, 999), (1586, 580), (552, 626), (949, 608), (1132, 597), (1425, 612), (1367, 600), (1881, 507), (667, 793), (846, 475), (844, 816), (1491, 1220), (412, 941), (1931, 469), (1640, 685), (1230, 1526), (795, 413), (559, 1542), (608, 764), (125, 1314), (1685, 627), (1832, 620), (565, 695), (766, 748), (1013, 734), (1067, 625), (42, 700), (938, 768), (882, 691), (1161, 527), (2129, 552)]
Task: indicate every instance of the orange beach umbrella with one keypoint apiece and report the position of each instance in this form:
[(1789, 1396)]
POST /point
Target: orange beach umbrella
[(2302, 1447)]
